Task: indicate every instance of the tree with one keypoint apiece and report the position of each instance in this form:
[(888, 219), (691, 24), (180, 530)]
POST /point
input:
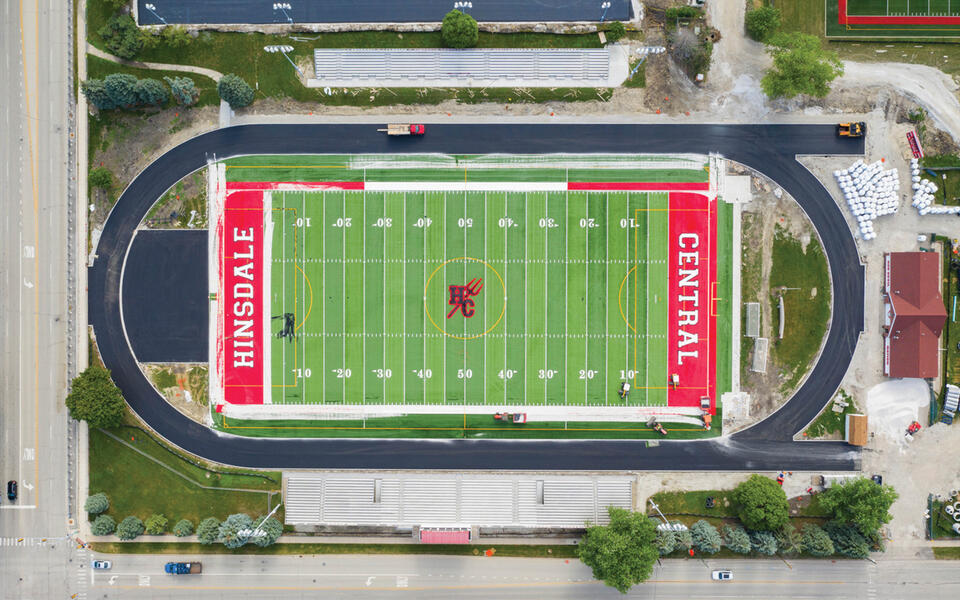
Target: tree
[(684, 540), (847, 540), (230, 529), (208, 531), (122, 88), (185, 92), (666, 541), (705, 536), (622, 553), (800, 66), (271, 530), (183, 528), (95, 399), (96, 504), (156, 525), (151, 91), (615, 31), (736, 539), (762, 22), (130, 528), (816, 541), (121, 36), (116, 4), (103, 525), (176, 36), (762, 503), (763, 542), (459, 30), (97, 95), (100, 177), (789, 540), (861, 503), (235, 91)]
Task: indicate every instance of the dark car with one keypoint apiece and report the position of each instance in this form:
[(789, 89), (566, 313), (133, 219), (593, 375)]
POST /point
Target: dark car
[(11, 490)]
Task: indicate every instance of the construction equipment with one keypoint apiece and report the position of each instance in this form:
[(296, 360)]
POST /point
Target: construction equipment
[(653, 424), (852, 130), (913, 428), (505, 417), (404, 129)]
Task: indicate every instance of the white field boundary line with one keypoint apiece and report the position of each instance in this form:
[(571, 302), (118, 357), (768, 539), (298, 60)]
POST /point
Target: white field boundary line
[(216, 194), (268, 226)]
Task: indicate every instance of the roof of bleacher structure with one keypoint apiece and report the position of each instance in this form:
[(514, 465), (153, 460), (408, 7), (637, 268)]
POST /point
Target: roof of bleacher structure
[(486, 500), (572, 67)]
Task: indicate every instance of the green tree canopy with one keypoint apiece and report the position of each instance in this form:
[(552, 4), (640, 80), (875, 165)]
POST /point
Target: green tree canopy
[(121, 36), (235, 91), (615, 31), (103, 525), (762, 22), (736, 539), (816, 541), (789, 540), (96, 92), (130, 528), (208, 531), (96, 504), (800, 66), (122, 88), (622, 553), (100, 177), (95, 399), (762, 503), (184, 90), (176, 36), (151, 91), (684, 540), (861, 503), (706, 538), (183, 528), (230, 530), (272, 530), (764, 542), (459, 30), (847, 540), (666, 541), (156, 525)]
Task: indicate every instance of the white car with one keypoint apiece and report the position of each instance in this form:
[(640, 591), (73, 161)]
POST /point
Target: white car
[(722, 575), (101, 564)]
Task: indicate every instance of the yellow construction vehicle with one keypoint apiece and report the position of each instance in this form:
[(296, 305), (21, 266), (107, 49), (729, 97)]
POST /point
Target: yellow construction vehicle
[(851, 129)]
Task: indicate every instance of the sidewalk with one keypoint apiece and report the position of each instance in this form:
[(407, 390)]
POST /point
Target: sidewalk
[(320, 539)]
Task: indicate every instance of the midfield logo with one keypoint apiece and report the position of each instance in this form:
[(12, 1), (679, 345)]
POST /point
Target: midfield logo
[(460, 297)]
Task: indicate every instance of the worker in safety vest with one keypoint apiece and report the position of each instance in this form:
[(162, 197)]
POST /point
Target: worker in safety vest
[(624, 390)]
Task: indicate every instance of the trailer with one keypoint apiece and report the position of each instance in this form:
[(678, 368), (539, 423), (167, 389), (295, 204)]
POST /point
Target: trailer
[(183, 568)]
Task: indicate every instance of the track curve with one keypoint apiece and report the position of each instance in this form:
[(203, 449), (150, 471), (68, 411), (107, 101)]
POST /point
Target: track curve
[(768, 445)]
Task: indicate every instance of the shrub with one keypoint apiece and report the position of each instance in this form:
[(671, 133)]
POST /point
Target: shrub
[(816, 541), (121, 36), (762, 503), (615, 31), (156, 525), (122, 88), (235, 91), (130, 528), (208, 531), (100, 177), (762, 22), (183, 528), (681, 12), (230, 529), (176, 36), (459, 30), (847, 540), (763, 542), (705, 536), (185, 92), (684, 540), (96, 93), (736, 539), (666, 541), (97, 503), (789, 540), (271, 530), (151, 91), (103, 525)]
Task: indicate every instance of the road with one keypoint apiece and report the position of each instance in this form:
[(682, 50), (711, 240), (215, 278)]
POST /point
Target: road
[(766, 446), (376, 11), (443, 577), (33, 277)]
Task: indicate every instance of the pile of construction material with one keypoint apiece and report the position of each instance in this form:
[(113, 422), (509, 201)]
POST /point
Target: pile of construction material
[(923, 191), (871, 192)]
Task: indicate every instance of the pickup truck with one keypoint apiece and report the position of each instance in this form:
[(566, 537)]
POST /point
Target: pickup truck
[(190, 568), (404, 129)]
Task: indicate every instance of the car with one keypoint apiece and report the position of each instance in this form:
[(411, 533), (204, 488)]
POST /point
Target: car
[(722, 575), (11, 490), (102, 564)]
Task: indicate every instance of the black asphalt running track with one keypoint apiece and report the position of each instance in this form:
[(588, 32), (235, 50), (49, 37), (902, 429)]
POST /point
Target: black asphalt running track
[(771, 149), (165, 303), (376, 11)]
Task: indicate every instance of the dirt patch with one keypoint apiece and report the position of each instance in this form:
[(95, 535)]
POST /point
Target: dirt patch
[(184, 206), (183, 386)]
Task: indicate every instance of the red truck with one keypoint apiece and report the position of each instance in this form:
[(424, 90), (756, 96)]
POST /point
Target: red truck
[(404, 129)]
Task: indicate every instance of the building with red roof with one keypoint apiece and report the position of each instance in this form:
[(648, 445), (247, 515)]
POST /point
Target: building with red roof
[(914, 314)]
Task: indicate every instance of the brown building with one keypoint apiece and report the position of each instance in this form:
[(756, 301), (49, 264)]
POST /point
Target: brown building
[(914, 314), (856, 429)]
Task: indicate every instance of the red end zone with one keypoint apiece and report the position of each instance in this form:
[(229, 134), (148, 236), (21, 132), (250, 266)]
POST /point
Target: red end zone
[(845, 19), (692, 317), (241, 297)]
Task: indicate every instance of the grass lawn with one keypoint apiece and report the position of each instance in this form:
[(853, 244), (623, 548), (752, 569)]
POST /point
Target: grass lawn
[(98, 68), (941, 523), (946, 552), (803, 279), (951, 329), (510, 550), (639, 79), (139, 486), (695, 503), (947, 181), (829, 422)]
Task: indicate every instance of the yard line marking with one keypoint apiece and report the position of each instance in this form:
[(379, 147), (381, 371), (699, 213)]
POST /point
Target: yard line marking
[(283, 293), (423, 321), (606, 305), (586, 306), (383, 279), (546, 287), (443, 243), (506, 277), (343, 297), (323, 313), (403, 357), (303, 295), (464, 277), (486, 222), (363, 306), (526, 284), (566, 293), (626, 329)]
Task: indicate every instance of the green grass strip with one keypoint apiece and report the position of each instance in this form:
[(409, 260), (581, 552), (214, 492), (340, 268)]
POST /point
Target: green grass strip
[(506, 550)]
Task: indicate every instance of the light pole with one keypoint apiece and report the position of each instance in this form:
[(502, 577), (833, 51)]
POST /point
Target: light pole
[(283, 50), (247, 534), (604, 6), (153, 8), (284, 7), (462, 6)]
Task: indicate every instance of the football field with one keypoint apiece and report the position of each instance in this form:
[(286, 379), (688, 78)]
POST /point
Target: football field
[(481, 298)]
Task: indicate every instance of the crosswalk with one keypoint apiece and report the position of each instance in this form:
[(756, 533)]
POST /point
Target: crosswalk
[(83, 576)]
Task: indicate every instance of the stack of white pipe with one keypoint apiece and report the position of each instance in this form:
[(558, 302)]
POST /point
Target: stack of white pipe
[(923, 191), (870, 191)]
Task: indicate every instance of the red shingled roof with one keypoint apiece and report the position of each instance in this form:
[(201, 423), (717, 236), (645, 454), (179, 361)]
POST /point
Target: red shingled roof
[(919, 314)]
